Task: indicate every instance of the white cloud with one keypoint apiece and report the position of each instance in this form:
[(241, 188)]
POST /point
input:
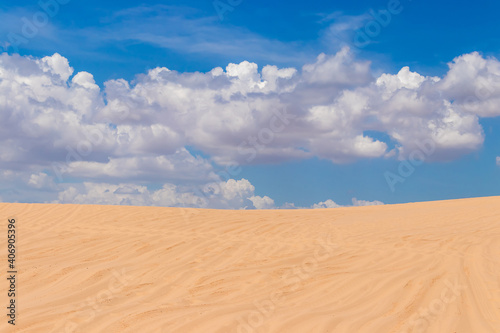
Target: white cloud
[(289, 205), (180, 165), (498, 160), (41, 181), (234, 115), (473, 83), (56, 65), (55, 122), (404, 79), (236, 188), (340, 69), (355, 202), (262, 202), (326, 204), (232, 194)]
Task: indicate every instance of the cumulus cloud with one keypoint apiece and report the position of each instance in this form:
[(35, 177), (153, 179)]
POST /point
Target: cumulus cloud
[(326, 204), (234, 194), (473, 83), (41, 181), (180, 165), (498, 160), (355, 202), (262, 202), (128, 194), (57, 124)]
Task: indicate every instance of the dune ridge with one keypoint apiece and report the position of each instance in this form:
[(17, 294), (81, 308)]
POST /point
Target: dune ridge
[(418, 267)]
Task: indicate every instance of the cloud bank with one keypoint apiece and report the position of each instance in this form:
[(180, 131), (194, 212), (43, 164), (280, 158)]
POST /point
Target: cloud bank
[(67, 139)]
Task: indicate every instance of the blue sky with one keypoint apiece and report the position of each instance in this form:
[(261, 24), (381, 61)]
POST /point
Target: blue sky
[(426, 72)]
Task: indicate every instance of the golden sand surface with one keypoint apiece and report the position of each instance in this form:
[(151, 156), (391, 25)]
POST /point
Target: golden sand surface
[(418, 267)]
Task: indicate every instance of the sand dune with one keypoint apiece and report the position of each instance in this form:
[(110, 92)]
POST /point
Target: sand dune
[(420, 267)]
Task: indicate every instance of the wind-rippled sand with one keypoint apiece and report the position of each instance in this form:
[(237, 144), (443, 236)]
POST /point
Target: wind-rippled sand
[(420, 267)]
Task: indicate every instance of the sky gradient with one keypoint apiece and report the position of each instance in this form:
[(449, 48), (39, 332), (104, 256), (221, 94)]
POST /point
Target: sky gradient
[(249, 104)]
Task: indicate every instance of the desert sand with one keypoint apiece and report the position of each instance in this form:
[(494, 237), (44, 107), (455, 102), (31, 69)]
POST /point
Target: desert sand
[(418, 267)]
